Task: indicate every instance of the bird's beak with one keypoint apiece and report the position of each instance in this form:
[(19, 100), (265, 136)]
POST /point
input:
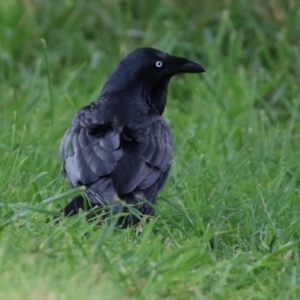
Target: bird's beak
[(182, 65)]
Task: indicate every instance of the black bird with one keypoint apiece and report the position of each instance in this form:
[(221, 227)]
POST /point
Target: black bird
[(119, 147)]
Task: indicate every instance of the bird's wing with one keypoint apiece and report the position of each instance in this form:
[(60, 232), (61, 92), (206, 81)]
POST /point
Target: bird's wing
[(147, 157), (90, 149)]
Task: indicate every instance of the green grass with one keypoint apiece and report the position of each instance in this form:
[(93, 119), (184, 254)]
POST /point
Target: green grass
[(228, 220)]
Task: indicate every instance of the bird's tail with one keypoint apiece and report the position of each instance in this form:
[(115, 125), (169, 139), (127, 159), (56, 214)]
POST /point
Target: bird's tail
[(78, 203)]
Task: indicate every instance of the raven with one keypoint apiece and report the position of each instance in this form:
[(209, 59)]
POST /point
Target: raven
[(119, 147)]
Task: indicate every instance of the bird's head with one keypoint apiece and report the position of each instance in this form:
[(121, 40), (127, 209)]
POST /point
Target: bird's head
[(149, 71)]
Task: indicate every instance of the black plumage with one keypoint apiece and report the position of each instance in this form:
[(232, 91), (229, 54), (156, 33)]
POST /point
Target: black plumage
[(119, 146)]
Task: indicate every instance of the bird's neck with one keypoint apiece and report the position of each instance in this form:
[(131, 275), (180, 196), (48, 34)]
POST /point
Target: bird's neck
[(140, 94), (156, 97)]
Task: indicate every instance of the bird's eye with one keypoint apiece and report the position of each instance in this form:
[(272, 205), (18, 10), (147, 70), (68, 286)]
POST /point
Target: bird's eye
[(158, 64)]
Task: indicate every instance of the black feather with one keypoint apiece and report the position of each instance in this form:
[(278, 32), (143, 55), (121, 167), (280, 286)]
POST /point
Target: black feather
[(119, 146)]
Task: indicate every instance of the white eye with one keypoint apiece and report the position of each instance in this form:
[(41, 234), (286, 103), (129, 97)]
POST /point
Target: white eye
[(158, 64)]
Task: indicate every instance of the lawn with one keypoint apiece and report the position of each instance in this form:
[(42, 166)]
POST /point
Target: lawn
[(227, 223)]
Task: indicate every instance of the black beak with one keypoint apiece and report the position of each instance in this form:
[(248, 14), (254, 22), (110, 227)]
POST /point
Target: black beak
[(179, 65)]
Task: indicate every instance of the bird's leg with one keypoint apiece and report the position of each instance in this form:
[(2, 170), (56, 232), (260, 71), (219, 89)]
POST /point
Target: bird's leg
[(141, 223)]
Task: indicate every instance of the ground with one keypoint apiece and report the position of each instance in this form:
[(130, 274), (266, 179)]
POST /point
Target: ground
[(227, 224)]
